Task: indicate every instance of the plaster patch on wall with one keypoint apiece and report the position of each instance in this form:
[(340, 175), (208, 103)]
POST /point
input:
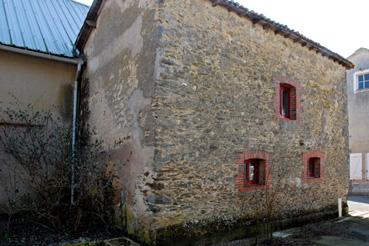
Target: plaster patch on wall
[(136, 103), (118, 92), (124, 5), (131, 39), (104, 120), (146, 3)]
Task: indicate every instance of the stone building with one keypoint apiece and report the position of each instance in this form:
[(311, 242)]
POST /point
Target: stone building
[(38, 61), (358, 111), (205, 107)]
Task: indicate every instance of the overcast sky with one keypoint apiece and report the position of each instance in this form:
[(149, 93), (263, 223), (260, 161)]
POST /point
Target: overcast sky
[(340, 25)]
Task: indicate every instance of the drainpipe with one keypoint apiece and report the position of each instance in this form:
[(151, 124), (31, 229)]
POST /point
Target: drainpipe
[(339, 207), (74, 140)]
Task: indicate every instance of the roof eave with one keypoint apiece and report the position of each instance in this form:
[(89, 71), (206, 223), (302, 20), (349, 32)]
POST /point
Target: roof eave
[(282, 30), (91, 19), (89, 24), (23, 51)]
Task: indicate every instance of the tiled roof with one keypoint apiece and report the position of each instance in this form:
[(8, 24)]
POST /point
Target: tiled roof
[(47, 26)]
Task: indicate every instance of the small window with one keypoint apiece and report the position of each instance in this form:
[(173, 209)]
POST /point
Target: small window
[(314, 162), (314, 167), (363, 81), (287, 104), (255, 172)]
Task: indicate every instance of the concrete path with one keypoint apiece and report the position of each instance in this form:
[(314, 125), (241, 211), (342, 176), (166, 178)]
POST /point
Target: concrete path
[(348, 231), (354, 229), (359, 206)]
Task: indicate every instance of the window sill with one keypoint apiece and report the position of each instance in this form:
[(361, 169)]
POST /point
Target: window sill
[(286, 119), (250, 187), (358, 91), (312, 180)]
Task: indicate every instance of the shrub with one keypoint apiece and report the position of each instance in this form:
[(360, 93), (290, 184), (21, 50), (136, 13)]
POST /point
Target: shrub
[(38, 167)]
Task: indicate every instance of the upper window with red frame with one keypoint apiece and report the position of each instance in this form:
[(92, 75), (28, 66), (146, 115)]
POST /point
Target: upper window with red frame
[(254, 172), (287, 103)]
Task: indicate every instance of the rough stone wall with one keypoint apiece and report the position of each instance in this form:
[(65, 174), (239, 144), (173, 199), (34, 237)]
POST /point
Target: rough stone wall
[(215, 98), (179, 91), (118, 89)]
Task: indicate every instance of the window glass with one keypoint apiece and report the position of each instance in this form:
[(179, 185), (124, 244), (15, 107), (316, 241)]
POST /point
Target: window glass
[(314, 168), (286, 102), (361, 85), (254, 172), (363, 81)]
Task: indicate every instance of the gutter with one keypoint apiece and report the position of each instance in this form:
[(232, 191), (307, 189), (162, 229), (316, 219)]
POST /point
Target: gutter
[(75, 61), (75, 127)]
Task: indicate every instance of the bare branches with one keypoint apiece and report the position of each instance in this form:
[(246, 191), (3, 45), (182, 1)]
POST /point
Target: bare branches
[(37, 152)]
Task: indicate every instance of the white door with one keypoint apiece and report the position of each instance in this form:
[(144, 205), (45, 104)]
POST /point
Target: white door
[(356, 166)]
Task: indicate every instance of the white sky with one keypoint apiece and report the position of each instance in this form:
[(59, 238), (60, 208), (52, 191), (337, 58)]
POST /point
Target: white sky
[(339, 25)]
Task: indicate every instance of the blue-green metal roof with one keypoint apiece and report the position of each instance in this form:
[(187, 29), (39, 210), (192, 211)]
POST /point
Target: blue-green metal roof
[(47, 26)]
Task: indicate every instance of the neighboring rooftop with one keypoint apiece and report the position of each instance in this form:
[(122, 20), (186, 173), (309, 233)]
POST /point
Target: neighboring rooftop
[(47, 26), (358, 51), (256, 18)]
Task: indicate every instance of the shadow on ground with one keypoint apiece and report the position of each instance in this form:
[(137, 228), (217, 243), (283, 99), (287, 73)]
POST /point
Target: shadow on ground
[(352, 230)]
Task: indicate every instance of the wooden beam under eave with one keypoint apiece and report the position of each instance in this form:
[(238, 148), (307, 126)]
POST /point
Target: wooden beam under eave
[(91, 23), (216, 2)]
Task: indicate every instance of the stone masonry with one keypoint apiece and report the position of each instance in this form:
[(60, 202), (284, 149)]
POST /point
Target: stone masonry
[(181, 92)]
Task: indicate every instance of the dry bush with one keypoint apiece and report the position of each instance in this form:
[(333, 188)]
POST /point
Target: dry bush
[(39, 168), (267, 204), (286, 197)]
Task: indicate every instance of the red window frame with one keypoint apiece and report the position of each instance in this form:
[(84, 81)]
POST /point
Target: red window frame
[(314, 162), (264, 177), (293, 90)]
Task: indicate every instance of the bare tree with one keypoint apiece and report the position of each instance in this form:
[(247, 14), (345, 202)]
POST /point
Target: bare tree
[(265, 203)]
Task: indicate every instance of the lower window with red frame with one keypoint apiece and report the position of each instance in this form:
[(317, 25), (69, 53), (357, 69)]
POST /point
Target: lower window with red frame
[(254, 172), (314, 162), (313, 167)]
